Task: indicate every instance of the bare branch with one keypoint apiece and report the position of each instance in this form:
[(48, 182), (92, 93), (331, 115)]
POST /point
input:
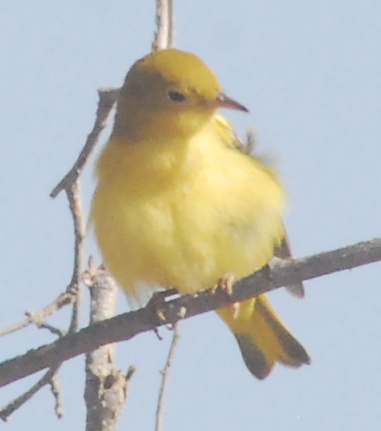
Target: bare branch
[(55, 388), (107, 100), (164, 34), (128, 325), (71, 185), (75, 202), (171, 24), (62, 300), (6, 411), (106, 386), (165, 378), (53, 329)]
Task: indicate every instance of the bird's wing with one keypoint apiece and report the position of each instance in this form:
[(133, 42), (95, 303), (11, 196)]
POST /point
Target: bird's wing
[(231, 139), (283, 251)]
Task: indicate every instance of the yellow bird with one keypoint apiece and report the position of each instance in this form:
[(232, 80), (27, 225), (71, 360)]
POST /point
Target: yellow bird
[(178, 204)]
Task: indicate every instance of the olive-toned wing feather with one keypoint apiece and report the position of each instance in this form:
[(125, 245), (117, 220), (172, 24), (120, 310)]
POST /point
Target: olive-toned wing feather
[(228, 134), (283, 251)]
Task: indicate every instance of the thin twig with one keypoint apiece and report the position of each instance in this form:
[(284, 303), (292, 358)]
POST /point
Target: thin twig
[(165, 378), (128, 325), (55, 388), (75, 202), (107, 100), (70, 183), (72, 295), (6, 411), (62, 300), (72, 292), (53, 329)]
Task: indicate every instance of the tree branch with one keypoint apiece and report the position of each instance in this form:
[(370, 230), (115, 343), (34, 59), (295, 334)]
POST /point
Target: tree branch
[(107, 100), (34, 316), (164, 34), (165, 377), (106, 386), (48, 378), (128, 325), (76, 208)]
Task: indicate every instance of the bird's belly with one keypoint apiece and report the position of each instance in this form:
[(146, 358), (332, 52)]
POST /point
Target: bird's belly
[(189, 235)]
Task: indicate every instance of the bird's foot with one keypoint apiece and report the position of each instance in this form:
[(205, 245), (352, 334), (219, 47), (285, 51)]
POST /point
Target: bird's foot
[(226, 284), (161, 311), (158, 304)]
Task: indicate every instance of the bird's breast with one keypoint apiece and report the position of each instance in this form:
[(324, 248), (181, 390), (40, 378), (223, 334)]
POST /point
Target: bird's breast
[(185, 216)]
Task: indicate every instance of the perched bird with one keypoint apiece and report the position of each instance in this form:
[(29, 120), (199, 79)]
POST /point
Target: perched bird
[(178, 204)]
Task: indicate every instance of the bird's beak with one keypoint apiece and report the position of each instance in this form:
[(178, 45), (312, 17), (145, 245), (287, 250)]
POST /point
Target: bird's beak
[(223, 101)]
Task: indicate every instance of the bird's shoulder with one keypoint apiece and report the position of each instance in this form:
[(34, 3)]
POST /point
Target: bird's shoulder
[(230, 138)]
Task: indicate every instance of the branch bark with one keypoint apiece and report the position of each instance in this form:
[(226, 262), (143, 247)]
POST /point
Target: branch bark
[(164, 34), (106, 386), (128, 325)]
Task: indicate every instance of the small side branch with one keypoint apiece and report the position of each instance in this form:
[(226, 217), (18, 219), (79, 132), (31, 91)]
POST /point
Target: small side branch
[(76, 208), (39, 316), (165, 378), (55, 389), (47, 379), (107, 100)]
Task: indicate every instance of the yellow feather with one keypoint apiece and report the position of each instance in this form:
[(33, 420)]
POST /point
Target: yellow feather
[(179, 205)]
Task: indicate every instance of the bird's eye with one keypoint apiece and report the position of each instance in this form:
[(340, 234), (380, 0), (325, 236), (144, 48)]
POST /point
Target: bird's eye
[(175, 96)]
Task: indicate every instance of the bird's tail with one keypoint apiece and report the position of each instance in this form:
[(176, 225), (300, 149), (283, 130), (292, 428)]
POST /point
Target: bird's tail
[(261, 336)]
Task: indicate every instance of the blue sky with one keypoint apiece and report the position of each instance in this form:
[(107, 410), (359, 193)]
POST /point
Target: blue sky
[(310, 72)]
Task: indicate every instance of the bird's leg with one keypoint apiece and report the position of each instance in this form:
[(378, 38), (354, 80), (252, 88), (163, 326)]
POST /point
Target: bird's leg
[(158, 306), (226, 284)]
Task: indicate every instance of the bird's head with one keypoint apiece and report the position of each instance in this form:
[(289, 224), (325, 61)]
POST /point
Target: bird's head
[(169, 93)]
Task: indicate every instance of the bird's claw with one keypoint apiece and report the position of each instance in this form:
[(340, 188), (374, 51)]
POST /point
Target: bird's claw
[(161, 311), (226, 283)]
